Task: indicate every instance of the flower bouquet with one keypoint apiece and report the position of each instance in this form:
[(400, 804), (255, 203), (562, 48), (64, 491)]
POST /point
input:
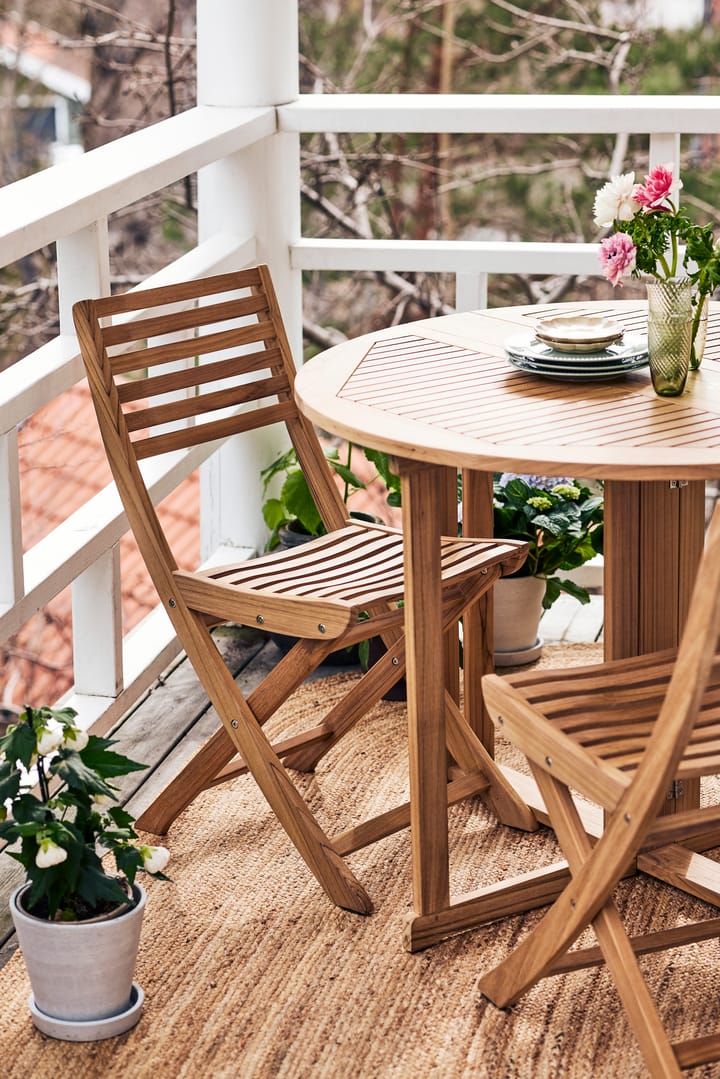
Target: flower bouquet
[(649, 231)]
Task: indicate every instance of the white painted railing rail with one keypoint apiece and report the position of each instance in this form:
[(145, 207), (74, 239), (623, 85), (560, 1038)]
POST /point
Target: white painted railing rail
[(244, 146)]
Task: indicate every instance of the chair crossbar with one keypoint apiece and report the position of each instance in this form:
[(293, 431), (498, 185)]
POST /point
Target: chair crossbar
[(187, 378), (190, 318), (187, 347), (162, 295), (199, 434), (203, 403)]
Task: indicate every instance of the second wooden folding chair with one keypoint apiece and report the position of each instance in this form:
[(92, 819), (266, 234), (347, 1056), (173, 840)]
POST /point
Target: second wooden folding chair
[(620, 734)]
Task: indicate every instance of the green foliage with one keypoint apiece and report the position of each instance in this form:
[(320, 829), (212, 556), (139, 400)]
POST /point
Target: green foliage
[(562, 523), (295, 505), (61, 822)]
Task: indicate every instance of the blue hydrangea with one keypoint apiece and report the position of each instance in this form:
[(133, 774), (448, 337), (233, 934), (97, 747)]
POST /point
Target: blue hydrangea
[(542, 483)]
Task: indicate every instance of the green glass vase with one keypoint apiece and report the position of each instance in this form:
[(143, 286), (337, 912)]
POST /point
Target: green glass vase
[(670, 318)]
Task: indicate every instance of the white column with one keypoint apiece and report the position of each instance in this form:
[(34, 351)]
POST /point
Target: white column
[(248, 56), (97, 627), (83, 269)]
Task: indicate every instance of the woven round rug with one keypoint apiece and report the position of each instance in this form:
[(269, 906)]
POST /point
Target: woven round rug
[(250, 973)]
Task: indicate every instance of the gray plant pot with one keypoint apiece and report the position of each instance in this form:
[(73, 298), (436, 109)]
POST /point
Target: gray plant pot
[(81, 973)]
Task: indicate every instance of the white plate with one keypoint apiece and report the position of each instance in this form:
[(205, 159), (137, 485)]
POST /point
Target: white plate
[(578, 373), (527, 346), (585, 331), (579, 346)]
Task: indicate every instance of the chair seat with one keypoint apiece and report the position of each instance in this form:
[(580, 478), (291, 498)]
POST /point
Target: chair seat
[(609, 711), (331, 580)]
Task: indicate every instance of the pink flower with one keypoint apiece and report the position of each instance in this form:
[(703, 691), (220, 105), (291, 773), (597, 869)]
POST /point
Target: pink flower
[(617, 257), (657, 188)]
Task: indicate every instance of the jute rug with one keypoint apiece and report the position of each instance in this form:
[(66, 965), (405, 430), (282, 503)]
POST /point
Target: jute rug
[(249, 972)]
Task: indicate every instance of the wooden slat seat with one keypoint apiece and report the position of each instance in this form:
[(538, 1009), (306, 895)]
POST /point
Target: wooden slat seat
[(175, 368), (620, 733)]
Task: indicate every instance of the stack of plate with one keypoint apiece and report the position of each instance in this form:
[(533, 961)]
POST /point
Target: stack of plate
[(578, 347)]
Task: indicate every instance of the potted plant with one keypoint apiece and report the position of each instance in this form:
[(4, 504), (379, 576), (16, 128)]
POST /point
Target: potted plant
[(293, 509), (562, 521), (77, 919)]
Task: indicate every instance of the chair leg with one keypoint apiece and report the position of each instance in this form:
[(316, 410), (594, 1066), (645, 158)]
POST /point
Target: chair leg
[(535, 955), (289, 807), (586, 900), (202, 769)]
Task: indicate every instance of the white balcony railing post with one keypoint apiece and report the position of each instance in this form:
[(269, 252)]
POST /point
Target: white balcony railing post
[(248, 56), (84, 272), (11, 543)]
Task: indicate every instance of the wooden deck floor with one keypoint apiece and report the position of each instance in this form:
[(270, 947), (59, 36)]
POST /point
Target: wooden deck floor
[(165, 729)]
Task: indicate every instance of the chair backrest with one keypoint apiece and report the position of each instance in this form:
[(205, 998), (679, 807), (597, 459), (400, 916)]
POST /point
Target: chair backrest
[(181, 365)]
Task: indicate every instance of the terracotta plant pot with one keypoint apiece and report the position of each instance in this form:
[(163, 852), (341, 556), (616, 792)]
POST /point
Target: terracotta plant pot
[(81, 973)]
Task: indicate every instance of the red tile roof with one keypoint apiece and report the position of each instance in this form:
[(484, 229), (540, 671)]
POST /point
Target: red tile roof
[(62, 465)]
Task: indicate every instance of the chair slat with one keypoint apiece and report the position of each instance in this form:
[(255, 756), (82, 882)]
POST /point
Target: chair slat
[(205, 403), (187, 348), (177, 321), (199, 434), (235, 367)]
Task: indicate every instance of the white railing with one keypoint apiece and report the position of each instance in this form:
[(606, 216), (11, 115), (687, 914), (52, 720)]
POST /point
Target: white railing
[(245, 151)]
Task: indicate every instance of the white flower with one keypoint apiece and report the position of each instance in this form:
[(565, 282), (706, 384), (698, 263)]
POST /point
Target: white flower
[(154, 858), (100, 802), (50, 737), (615, 202), (75, 738), (49, 854)]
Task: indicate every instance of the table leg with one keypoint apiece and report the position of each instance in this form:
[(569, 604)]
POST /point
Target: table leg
[(422, 492), (478, 621), (654, 536), (433, 916)]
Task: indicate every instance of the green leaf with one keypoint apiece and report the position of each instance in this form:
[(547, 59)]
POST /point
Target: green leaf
[(299, 503), (273, 513), (105, 761), (19, 744)]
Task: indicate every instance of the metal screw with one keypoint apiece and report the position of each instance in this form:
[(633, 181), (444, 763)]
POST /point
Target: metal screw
[(627, 818), (321, 627), (234, 723), (172, 603), (259, 619), (395, 661), (548, 761)]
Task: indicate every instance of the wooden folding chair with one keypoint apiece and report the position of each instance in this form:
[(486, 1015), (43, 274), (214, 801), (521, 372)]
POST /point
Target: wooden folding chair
[(175, 367), (619, 734)]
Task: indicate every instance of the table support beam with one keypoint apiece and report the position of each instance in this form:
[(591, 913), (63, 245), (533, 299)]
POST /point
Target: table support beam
[(423, 487)]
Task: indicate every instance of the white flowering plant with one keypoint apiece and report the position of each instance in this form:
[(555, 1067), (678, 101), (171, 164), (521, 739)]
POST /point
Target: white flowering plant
[(560, 518), (58, 808)]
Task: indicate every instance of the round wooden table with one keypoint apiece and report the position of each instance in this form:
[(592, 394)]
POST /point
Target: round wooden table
[(440, 395)]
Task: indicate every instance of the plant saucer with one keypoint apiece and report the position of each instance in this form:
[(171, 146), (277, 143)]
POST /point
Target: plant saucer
[(89, 1030)]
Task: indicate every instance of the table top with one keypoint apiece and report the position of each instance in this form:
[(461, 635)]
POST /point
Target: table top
[(442, 390)]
